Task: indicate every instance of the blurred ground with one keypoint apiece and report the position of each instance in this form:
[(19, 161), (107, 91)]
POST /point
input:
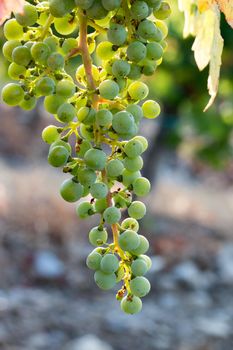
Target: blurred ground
[(48, 299)]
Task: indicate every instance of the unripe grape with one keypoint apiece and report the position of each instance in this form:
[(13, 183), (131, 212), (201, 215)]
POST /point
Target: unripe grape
[(147, 259), (28, 16), (98, 236), (136, 51), (151, 109), (149, 68), (40, 52), (99, 190), (154, 51), (8, 48), (128, 177), (84, 210), (61, 143), (120, 68), (45, 86), (28, 103), (13, 30), (122, 122), (65, 25), (58, 156), (114, 168), (82, 147), (12, 94), (138, 90), (95, 159), (68, 45), (52, 103), (136, 112), (52, 42), (105, 281), (131, 304), (139, 267), (65, 88), (55, 61), (137, 210), (143, 141), (111, 5), (141, 186), (155, 4), (66, 113), (129, 240), (108, 89), (105, 50), (133, 148), (163, 28), (50, 134), (84, 4), (59, 8), (135, 72), (133, 164), (164, 11), (71, 191), (112, 215), (16, 72), (86, 132), (147, 30), (21, 55), (140, 286), (93, 260), (104, 117), (109, 263), (117, 34), (101, 205), (86, 176), (142, 247), (130, 224), (139, 10), (97, 11)]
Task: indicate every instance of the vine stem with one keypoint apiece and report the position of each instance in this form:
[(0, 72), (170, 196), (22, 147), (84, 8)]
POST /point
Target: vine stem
[(125, 6), (46, 26)]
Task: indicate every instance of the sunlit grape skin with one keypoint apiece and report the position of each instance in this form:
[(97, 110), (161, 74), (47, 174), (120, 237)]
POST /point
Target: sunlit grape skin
[(97, 106)]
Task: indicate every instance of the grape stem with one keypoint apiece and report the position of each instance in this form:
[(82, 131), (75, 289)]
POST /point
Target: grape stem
[(46, 26), (125, 7)]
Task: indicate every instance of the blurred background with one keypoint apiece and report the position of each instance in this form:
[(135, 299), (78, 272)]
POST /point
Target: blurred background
[(48, 299)]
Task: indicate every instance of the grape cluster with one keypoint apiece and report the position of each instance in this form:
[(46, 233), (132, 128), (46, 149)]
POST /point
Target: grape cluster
[(101, 108)]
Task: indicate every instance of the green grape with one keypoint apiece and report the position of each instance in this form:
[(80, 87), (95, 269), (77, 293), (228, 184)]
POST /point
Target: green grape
[(21, 55), (129, 240), (87, 132), (43, 18), (16, 71), (8, 48), (133, 148), (140, 286), (142, 247), (136, 51), (61, 143), (104, 117), (28, 103), (86, 176), (45, 86), (128, 177), (154, 51), (133, 164), (99, 190), (135, 72), (114, 168), (151, 109), (40, 52), (68, 45), (50, 134), (28, 16), (97, 11), (81, 75), (117, 34), (105, 281), (65, 25), (52, 103), (147, 260), (155, 4), (137, 210), (13, 30), (131, 304), (163, 28), (101, 205), (139, 10), (112, 215), (130, 224), (93, 260), (58, 156), (98, 236), (138, 90), (71, 191), (149, 68), (123, 122), (111, 5), (84, 210), (148, 31), (164, 11), (139, 267), (84, 4), (55, 61), (95, 159), (109, 263), (136, 112), (86, 115), (141, 186), (120, 68), (120, 201), (66, 113), (82, 147), (108, 89), (59, 8), (105, 50), (52, 42), (143, 141), (12, 94), (65, 88)]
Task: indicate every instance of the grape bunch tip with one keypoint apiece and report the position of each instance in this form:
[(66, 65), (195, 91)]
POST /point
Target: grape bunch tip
[(119, 42)]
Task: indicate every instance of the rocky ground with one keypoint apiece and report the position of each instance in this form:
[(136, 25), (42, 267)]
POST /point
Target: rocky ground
[(48, 299)]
